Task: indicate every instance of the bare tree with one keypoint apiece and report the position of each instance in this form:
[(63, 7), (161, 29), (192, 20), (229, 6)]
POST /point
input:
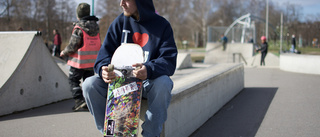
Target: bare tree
[(5, 12), (109, 10), (199, 15), (65, 15), (176, 12), (189, 18)]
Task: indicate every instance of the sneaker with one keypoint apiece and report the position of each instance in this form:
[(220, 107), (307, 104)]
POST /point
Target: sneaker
[(85, 108), (80, 103)]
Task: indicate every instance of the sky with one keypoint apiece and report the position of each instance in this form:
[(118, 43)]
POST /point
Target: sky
[(309, 6)]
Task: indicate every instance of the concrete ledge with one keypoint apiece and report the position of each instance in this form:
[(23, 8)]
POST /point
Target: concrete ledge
[(198, 96), (308, 64)]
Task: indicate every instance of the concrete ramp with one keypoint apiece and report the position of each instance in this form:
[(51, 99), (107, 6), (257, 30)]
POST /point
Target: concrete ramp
[(29, 75), (63, 65), (215, 54), (184, 61)]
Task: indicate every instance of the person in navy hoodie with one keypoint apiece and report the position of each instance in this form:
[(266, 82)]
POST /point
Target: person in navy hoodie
[(138, 24)]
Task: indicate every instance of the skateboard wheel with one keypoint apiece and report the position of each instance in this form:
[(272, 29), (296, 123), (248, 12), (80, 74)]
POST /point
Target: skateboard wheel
[(110, 67), (124, 72)]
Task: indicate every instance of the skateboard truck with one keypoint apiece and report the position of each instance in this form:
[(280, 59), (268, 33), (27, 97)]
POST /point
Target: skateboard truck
[(125, 70)]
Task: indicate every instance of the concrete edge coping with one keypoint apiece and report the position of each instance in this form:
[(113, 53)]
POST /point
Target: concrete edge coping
[(184, 85)]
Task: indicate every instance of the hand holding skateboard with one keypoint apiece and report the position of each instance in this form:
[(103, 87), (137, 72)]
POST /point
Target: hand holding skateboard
[(140, 72), (108, 74)]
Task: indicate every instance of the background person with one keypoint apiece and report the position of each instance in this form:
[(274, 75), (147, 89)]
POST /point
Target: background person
[(82, 50), (224, 41), (56, 48), (264, 50)]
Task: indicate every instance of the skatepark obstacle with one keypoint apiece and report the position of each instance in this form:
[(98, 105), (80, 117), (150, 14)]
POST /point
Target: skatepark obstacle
[(184, 61), (198, 96), (308, 64), (30, 77), (215, 54)]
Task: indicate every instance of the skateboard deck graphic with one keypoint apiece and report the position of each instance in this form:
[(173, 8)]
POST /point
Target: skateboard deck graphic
[(124, 93)]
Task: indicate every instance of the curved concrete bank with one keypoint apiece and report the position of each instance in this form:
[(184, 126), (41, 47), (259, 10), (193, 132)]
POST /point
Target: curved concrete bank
[(198, 96), (309, 64), (29, 75), (215, 54)]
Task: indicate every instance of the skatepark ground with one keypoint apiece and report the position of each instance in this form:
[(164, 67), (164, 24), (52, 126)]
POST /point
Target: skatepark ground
[(273, 103)]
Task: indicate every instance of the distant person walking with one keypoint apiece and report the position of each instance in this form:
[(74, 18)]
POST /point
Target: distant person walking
[(263, 49), (293, 42), (224, 41), (82, 50), (56, 48)]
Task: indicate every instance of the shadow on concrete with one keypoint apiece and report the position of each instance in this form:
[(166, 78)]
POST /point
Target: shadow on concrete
[(242, 116), (50, 109)]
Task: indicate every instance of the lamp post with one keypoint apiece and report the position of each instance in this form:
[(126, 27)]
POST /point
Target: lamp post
[(92, 11), (267, 17), (281, 31)]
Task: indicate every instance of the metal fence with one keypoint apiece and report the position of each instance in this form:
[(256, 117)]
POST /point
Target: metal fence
[(234, 36)]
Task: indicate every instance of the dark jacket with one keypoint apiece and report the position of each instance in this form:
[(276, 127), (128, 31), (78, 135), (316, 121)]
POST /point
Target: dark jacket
[(264, 48), (89, 25), (152, 32), (293, 41)]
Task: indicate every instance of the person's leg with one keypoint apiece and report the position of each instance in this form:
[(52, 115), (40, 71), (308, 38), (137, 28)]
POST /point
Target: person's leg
[(158, 93), (87, 73), (75, 76), (58, 50), (261, 60), (54, 48), (263, 56), (95, 94)]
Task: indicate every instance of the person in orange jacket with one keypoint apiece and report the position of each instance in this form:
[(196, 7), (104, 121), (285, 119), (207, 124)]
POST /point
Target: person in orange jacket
[(82, 50)]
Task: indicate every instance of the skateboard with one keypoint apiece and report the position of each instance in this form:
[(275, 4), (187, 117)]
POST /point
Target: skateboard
[(124, 93)]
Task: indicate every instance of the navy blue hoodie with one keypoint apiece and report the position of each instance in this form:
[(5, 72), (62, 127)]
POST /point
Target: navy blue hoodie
[(152, 32)]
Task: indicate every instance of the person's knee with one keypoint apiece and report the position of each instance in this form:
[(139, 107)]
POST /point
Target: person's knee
[(164, 82), (162, 87), (87, 85)]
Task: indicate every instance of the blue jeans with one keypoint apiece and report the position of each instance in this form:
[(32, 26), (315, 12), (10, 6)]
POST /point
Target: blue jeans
[(157, 91)]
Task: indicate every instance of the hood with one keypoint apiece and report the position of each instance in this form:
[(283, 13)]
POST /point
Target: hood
[(89, 25), (146, 9)]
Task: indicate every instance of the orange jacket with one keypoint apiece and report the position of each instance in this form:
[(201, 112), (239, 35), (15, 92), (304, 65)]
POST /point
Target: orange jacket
[(86, 56)]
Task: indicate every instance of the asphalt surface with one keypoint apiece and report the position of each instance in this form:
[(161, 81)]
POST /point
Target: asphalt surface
[(274, 103)]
